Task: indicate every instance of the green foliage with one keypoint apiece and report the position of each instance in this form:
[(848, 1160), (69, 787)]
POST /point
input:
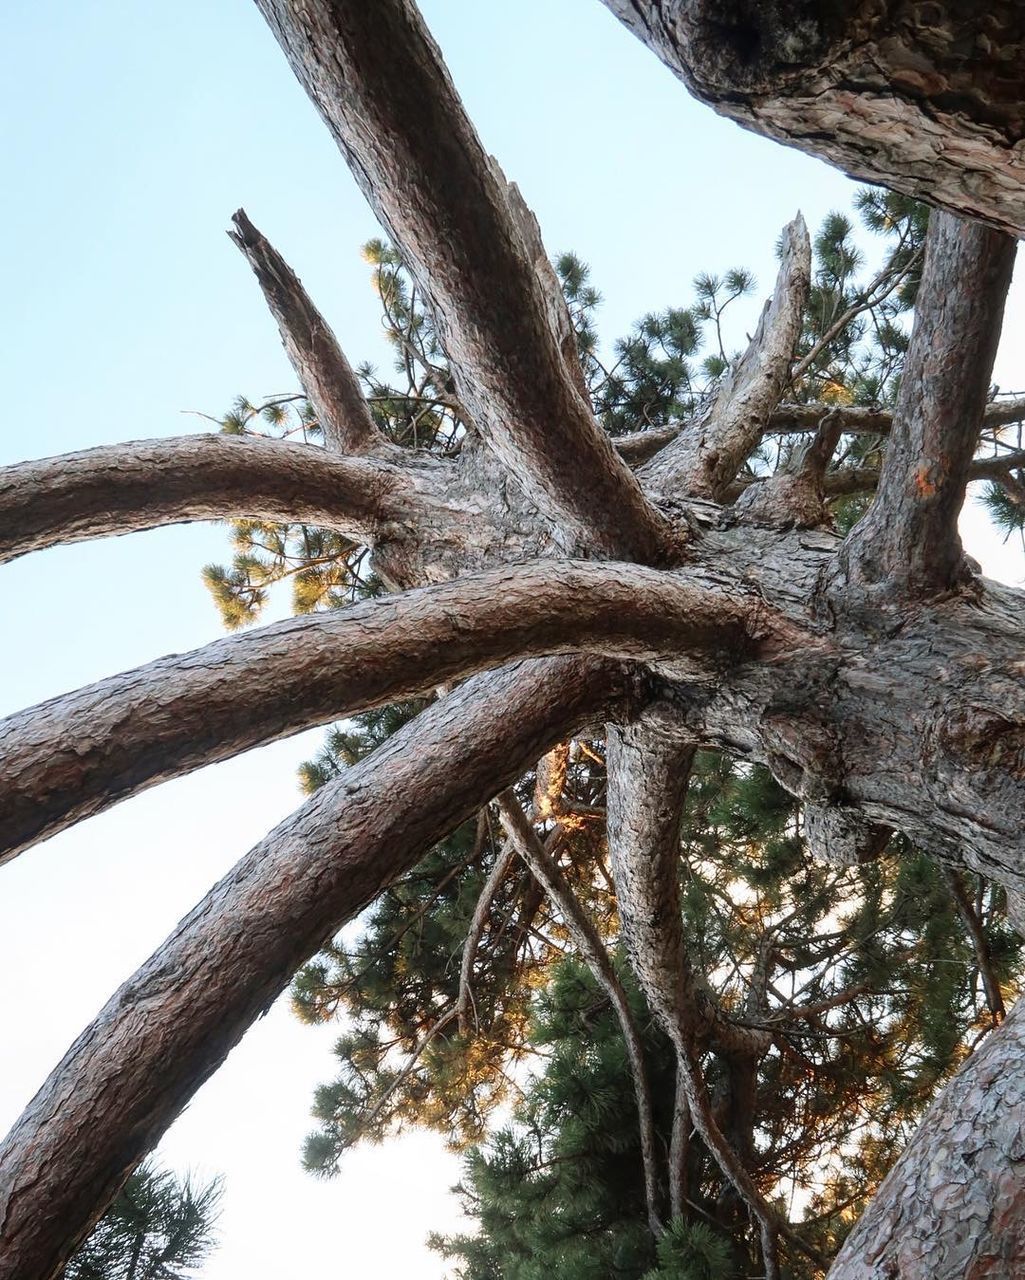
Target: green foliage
[(159, 1228), (692, 1251)]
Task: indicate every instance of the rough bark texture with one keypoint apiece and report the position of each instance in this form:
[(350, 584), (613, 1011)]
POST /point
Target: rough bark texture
[(909, 717), (377, 79), (320, 364), (705, 458), (73, 756), (142, 484), (923, 98), (908, 545), (172, 1024), (649, 769), (951, 1207)]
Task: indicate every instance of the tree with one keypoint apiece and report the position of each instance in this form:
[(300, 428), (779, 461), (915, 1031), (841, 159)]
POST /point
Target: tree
[(919, 97), (158, 1228), (568, 580), (884, 1008)]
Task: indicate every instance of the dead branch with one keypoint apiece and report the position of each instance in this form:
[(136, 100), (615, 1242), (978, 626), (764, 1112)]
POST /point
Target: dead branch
[(588, 943), (705, 458), (319, 362)]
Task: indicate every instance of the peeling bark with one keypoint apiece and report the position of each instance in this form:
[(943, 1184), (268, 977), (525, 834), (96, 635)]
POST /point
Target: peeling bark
[(172, 1024), (923, 98)]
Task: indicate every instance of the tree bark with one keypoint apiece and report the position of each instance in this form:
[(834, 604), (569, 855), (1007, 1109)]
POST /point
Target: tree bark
[(951, 1207), (649, 771), (171, 1025), (142, 484), (378, 80), (704, 459), (908, 544), (74, 756), (319, 362), (923, 98)]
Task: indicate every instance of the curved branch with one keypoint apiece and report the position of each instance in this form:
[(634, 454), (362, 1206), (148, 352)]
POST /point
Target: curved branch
[(588, 942), (705, 458), (73, 756), (465, 1001), (142, 484), (319, 362), (908, 543), (918, 98), (170, 1026), (379, 82)]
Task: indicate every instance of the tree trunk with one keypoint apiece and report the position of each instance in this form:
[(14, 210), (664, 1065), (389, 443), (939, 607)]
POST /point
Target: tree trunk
[(876, 678), (951, 1208), (923, 98)]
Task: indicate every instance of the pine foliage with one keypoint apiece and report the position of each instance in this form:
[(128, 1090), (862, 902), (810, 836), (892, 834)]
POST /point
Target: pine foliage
[(159, 1228)]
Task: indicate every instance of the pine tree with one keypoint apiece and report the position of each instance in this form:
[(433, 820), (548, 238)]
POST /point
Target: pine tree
[(159, 1228), (605, 594)]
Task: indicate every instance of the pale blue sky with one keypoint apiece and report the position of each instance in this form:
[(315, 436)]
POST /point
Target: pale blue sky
[(132, 131)]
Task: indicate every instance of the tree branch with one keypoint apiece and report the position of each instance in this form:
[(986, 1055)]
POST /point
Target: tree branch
[(73, 756), (499, 871), (917, 98), (143, 484), (648, 775), (379, 82), (319, 362), (586, 938), (980, 943), (908, 543), (796, 496), (171, 1025), (791, 419), (952, 1205), (705, 458)]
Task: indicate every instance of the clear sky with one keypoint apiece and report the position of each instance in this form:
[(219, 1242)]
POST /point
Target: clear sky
[(132, 131)]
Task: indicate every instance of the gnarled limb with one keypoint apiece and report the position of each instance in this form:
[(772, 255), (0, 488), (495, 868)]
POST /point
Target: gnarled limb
[(796, 496), (319, 362), (908, 544), (953, 1205), (588, 942), (142, 484), (704, 459), (379, 82), (171, 1025), (649, 768), (923, 98), (73, 756)]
